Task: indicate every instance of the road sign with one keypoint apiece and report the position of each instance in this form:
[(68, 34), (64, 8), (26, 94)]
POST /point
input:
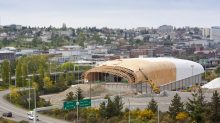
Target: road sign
[(73, 104), (69, 105), (85, 103)]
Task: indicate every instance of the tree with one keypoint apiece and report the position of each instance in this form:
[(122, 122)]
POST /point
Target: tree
[(18, 75), (146, 114), (152, 105), (47, 82), (41, 72), (109, 108), (175, 107), (5, 71), (69, 96), (102, 110), (24, 70), (118, 106), (215, 108), (68, 66), (217, 70), (78, 94), (196, 106), (182, 117), (69, 78)]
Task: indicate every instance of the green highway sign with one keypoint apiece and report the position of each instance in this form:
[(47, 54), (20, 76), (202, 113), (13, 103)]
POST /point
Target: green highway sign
[(85, 103), (73, 104), (69, 105)]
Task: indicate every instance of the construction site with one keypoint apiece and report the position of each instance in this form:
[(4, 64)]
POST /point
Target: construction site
[(137, 79)]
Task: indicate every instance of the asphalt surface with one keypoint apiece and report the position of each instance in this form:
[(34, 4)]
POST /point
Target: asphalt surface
[(21, 114), (163, 102)]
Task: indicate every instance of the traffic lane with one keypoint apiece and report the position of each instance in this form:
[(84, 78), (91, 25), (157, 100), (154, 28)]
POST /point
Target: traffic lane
[(14, 116), (4, 104), (17, 113)]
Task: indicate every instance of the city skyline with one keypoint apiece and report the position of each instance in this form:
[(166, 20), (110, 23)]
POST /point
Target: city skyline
[(112, 14)]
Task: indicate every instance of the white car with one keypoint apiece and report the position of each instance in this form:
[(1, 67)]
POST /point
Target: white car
[(31, 116)]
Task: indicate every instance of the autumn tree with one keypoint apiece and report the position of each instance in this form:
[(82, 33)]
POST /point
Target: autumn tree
[(182, 117), (47, 82)]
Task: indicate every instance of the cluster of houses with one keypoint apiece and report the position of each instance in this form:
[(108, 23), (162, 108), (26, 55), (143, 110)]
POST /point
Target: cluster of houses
[(166, 40)]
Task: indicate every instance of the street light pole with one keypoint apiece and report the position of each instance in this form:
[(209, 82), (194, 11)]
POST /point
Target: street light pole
[(15, 79), (29, 99), (9, 79), (192, 66), (129, 113), (158, 114), (35, 105), (77, 103)]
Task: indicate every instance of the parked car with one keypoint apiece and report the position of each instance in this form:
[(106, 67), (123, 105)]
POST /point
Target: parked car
[(7, 114)]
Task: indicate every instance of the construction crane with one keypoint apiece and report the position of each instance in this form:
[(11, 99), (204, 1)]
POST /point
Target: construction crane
[(153, 86)]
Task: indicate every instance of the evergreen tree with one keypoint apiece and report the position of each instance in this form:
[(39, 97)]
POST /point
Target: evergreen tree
[(152, 105), (196, 106), (78, 94), (69, 96), (5, 71), (109, 108), (175, 107), (215, 108), (118, 106), (102, 110)]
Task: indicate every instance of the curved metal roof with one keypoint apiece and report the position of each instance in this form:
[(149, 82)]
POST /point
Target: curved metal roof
[(159, 70)]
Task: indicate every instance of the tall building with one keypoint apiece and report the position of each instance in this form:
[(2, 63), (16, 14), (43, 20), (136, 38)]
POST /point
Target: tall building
[(206, 32), (215, 34), (165, 29)]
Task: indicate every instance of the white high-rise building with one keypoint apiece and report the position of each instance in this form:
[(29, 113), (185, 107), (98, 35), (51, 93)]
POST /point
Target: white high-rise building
[(165, 29), (215, 34), (206, 32)]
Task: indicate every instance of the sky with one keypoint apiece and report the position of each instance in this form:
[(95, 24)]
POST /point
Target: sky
[(110, 13)]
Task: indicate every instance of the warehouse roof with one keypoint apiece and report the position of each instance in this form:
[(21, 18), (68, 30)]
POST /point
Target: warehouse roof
[(212, 84)]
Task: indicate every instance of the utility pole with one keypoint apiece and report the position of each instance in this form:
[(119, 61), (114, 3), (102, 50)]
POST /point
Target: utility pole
[(15, 79), (29, 99), (35, 105), (9, 79)]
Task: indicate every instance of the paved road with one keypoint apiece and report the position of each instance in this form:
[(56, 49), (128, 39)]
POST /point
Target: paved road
[(163, 102), (21, 114)]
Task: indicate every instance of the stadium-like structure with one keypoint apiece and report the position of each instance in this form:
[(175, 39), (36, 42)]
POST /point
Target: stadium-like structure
[(166, 73)]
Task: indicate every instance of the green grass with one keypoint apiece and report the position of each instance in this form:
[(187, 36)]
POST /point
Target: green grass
[(3, 120)]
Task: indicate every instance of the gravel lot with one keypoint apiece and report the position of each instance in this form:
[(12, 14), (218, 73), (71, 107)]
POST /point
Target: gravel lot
[(136, 101)]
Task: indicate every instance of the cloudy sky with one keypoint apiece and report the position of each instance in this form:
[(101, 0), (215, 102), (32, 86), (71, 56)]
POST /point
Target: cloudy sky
[(111, 13)]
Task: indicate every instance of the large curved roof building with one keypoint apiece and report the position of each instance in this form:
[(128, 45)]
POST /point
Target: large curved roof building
[(160, 70)]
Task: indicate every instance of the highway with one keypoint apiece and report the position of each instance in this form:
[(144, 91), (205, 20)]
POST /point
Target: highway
[(21, 114)]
